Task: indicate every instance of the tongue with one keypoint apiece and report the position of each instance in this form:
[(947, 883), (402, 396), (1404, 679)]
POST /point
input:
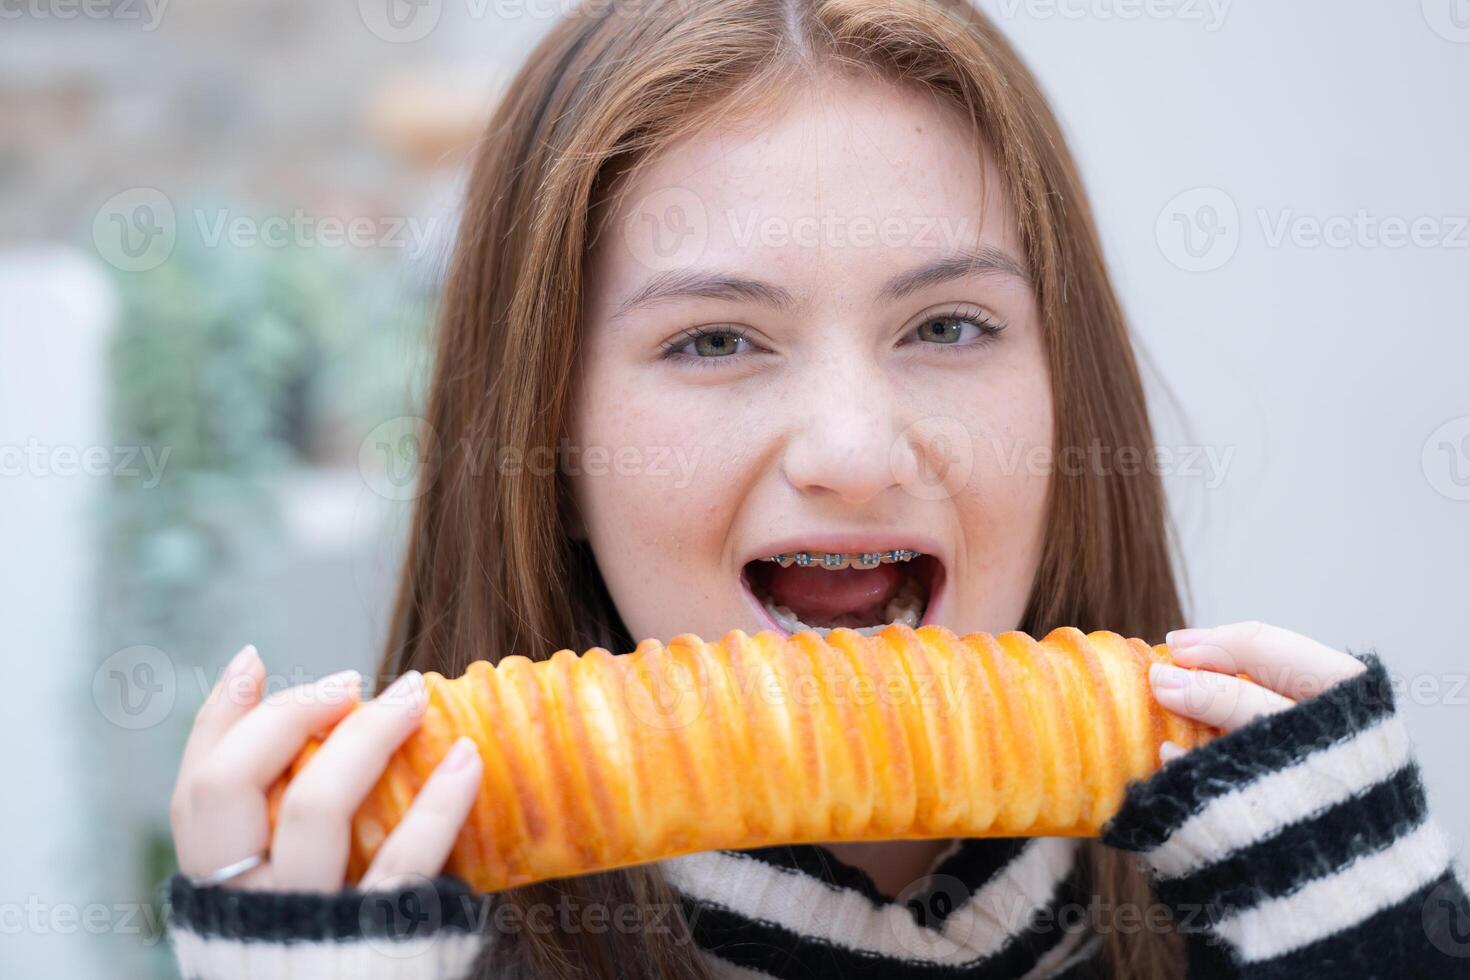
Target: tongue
[(816, 593)]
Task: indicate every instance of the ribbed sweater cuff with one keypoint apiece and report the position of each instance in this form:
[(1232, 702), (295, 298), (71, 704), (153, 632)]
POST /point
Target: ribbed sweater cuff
[(431, 928), (1300, 846)]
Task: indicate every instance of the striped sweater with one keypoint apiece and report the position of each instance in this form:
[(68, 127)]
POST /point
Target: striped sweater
[(1298, 846)]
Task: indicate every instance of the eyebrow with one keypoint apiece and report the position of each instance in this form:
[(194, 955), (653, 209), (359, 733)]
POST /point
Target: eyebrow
[(985, 260), (982, 261)]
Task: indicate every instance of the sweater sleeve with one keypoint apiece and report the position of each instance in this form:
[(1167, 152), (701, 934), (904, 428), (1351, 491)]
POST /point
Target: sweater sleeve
[(1300, 846), (430, 929)]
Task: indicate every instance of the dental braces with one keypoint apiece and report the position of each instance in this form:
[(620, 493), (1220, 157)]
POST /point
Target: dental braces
[(837, 559)]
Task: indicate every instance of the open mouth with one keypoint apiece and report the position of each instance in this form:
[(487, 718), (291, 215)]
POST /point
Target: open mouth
[(863, 591)]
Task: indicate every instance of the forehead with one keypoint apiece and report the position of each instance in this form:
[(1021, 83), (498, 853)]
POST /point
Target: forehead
[(846, 178)]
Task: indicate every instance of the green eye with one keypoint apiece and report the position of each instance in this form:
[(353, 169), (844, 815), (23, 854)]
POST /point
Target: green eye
[(716, 343), (954, 329), (707, 344), (941, 329)]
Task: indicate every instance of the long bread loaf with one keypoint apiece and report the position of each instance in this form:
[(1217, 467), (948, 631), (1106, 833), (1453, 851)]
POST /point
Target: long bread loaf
[(598, 761)]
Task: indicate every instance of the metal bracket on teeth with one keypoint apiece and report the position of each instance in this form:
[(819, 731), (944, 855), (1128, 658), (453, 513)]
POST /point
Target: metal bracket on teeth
[(833, 559)]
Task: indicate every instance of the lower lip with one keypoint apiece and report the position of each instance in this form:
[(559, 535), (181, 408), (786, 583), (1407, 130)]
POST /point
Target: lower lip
[(931, 609)]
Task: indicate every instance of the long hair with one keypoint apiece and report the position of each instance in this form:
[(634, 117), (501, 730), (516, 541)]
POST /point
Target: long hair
[(491, 568)]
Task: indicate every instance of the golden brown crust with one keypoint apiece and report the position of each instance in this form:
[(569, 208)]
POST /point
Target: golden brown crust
[(597, 761)]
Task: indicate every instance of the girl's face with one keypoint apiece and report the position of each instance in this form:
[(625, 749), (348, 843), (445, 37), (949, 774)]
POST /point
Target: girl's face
[(811, 334)]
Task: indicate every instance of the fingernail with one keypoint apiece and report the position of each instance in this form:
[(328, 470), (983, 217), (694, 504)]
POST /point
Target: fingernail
[(1204, 655), (1169, 751), (240, 662), (1167, 676), (407, 690), (342, 683), (1185, 637), (460, 755)]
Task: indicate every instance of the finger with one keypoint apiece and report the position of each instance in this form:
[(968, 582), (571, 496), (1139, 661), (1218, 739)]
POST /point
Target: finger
[(1286, 662), (233, 695), (259, 746), (424, 838), (1169, 751), (220, 813), (314, 826), (1220, 700)]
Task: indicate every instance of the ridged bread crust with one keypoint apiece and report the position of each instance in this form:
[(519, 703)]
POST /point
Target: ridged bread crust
[(598, 761)]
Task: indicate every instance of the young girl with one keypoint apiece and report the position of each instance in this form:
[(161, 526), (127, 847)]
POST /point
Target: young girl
[(746, 278)]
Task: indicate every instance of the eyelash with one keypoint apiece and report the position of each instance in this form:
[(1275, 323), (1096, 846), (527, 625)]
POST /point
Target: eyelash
[(989, 330), (673, 346)]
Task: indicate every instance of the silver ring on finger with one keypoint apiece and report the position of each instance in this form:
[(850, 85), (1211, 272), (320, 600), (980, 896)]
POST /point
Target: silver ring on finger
[(230, 871)]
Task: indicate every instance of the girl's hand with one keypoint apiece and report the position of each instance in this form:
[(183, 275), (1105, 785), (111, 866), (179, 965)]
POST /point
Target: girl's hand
[(1284, 667), (240, 744)]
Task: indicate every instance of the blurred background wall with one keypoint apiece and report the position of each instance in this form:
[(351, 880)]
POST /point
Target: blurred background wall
[(223, 225)]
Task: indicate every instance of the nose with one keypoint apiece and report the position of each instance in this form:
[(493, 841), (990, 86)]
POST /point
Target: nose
[(846, 433)]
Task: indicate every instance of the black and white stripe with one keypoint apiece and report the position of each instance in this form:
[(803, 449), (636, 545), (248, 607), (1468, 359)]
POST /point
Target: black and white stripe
[(427, 928), (798, 912), (1300, 845)]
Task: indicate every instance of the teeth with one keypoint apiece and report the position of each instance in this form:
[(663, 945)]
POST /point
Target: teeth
[(842, 559), (905, 608)]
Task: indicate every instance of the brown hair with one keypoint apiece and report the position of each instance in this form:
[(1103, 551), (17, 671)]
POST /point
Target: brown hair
[(491, 569)]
